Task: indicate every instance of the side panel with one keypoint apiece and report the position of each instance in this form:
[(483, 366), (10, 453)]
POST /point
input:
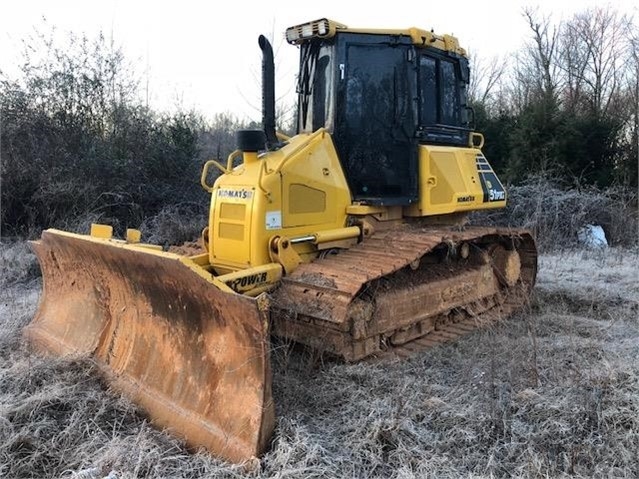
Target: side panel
[(297, 190), (314, 191), (231, 220), (455, 179)]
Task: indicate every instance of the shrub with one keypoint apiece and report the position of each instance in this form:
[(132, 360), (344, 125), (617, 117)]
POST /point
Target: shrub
[(556, 214), (77, 142), (175, 224), (18, 263)]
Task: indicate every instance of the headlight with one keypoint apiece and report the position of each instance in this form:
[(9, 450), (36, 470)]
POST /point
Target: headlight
[(322, 28)]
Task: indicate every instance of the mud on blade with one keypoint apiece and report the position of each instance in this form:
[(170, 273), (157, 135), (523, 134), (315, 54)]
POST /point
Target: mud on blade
[(195, 358)]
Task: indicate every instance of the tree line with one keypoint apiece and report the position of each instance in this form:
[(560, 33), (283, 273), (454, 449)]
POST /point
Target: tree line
[(80, 144), (567, 104)]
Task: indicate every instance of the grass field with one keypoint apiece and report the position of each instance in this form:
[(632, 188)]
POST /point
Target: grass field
[(552, 391)]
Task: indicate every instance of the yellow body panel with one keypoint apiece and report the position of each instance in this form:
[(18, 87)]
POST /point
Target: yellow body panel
[(297, 190), (301, 190), (453, 179)]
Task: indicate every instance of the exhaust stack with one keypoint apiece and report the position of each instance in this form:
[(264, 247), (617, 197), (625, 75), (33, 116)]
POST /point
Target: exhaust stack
[(268, 93)]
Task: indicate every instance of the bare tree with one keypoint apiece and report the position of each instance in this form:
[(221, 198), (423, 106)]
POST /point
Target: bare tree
[(543, 53), (594, 58), (573, 62), (485, 78), (535, 74), (633, 88)]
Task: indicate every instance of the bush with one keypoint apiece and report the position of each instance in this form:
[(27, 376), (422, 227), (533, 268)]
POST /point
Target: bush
[(77, 142), (18, 263), (175, 224), (556, 214)]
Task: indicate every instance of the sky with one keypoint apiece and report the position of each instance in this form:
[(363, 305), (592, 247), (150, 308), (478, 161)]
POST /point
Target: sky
[(204, 55)]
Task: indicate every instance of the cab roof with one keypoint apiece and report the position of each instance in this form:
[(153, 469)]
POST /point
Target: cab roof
[(326, 28)]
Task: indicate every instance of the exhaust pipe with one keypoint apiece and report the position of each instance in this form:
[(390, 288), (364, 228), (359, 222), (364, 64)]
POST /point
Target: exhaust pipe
[(268, 93)]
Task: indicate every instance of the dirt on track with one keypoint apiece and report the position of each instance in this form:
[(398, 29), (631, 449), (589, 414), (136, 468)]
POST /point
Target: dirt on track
[(553, 391)]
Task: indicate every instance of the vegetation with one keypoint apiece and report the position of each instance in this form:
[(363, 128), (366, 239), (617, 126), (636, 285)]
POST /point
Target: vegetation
[(567, 104), (79, 144), (556, 213), (551, 392)]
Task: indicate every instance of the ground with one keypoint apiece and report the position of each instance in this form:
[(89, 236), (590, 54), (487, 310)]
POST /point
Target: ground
[(551, 391)]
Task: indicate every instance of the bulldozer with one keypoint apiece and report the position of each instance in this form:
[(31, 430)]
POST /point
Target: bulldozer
[(350, 237)]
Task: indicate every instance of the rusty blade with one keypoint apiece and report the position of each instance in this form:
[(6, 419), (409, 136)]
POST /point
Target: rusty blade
[(195, 358)]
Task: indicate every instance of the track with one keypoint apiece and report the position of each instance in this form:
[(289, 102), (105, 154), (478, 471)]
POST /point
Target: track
[(405, 289)]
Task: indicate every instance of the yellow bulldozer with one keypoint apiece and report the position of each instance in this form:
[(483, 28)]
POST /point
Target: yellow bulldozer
[(349, 237)]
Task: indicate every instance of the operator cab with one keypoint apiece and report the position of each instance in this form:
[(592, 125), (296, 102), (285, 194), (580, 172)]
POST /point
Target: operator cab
[(380, 94)]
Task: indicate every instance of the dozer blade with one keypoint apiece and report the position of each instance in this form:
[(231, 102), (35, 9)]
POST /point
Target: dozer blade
[(195, 358)]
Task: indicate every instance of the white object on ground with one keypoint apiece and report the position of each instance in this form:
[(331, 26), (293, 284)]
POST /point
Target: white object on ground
[(592, 236)]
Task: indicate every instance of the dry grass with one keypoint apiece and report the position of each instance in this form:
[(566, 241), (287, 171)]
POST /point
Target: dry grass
[(18, 263), (555, 214), (551, 392), (175, 224)]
